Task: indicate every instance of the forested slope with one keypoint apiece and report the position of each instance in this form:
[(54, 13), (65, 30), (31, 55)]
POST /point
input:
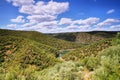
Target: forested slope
[(41, 38), (85, 37), (18, 50), (30, 55)]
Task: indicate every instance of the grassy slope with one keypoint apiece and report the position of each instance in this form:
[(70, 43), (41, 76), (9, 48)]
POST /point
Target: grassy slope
[(18, 50), (99, 61), (41, 38), (105, 66), (89, 50), (27, 50)]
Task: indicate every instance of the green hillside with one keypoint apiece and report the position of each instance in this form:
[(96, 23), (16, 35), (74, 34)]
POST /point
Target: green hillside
[(89, 50), (41, 38), (18, 50), (105, 66), (30, 55), (92, 49), (85, 37)]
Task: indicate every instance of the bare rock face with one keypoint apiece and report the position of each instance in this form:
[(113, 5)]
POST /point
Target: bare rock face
[(87, 38), (90, 37)]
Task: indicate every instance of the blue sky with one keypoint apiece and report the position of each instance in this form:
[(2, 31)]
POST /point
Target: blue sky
[(54, 16)]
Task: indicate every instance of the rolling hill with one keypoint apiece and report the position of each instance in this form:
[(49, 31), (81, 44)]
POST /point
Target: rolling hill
[(41, 38), (85, 37), (18, 50), (30, 55)]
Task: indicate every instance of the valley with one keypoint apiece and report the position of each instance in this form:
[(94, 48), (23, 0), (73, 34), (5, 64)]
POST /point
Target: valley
[(30, 55)]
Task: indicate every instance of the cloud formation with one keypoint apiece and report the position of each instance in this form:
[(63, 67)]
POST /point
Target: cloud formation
[(11, 25), (21, 2), (19, 19), (107, 22), (65, 21), (110, 11), (43, 17), (88, 21), (115, 27)]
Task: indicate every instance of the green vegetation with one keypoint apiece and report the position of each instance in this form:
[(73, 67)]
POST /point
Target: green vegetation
[(108, 64), (87, 51), (85, 37), (104, 66), (29, 55), (41, 38)]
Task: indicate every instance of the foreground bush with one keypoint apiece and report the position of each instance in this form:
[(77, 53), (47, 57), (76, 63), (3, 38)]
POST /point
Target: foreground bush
[(65, 71), (109, 68)]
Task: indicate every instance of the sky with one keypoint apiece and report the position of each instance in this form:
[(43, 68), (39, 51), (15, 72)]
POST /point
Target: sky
[(57, 16)]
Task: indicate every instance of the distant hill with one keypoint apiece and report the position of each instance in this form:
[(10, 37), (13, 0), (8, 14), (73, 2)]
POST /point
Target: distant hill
[(90, 50), (85, 37), (41, 38)]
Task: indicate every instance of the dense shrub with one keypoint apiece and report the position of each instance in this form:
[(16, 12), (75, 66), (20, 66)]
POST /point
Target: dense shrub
[(41, 38), (87, 51), (64, 71), (109, 68), (17, 50)]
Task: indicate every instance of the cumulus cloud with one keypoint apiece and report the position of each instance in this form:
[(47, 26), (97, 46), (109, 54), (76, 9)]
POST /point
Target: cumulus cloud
[(40, 18), (107, 22), (39, 11), (88, 21), (65, 21), (19, 19), (40, 15), (48, 25), (42, 8), (29, 24), (110, 11), (115, 27), (11, 25), (21, 2), (110, 28), (27, 9)]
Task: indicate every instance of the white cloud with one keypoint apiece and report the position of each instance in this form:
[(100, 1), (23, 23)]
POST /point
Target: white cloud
[(88, 21), (19, 19), (40, 11), (115, 27), (12, 25), (40, 18), (110, 11), (110, 28), (40, 15), (40, 26), (28, 24), (42, 8), (49, 25), (53, 8), (78, 28), (21, 2), (27, 9), (107, 22), (65, 21)]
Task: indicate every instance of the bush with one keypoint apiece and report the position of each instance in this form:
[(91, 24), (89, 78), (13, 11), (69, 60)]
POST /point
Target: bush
[(109, 67), (64, 71)]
